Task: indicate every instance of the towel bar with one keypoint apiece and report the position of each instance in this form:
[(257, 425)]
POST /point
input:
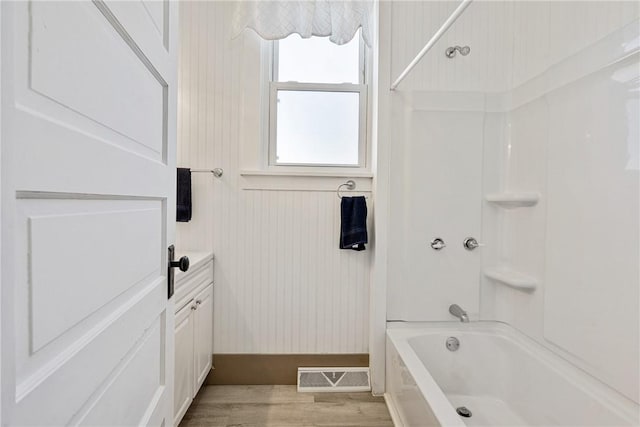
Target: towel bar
[(217, 172)]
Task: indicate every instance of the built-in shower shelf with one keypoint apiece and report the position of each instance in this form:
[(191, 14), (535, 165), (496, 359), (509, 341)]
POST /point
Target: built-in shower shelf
[(511, 278), (512, 200)]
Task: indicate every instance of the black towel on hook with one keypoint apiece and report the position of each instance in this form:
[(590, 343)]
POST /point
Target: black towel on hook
[(183, 196), (353, 230)]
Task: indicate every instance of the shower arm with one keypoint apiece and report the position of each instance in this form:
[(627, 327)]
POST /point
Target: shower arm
[(443, 29)]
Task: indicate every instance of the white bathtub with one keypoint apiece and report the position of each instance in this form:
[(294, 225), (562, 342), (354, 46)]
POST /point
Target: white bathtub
[(500, 375)]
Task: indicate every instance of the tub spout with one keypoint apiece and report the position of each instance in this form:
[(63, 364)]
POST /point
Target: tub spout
[(457, 311)]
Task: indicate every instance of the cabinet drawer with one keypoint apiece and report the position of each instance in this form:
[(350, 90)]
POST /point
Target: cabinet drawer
[(192, 280)]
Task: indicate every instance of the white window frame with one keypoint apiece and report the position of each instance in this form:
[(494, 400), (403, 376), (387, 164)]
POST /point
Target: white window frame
[(274, 86)]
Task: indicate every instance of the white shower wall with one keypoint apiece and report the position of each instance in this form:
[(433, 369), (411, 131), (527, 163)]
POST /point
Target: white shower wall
[(281, 283), (546, 102), (435, 193), (439, 126), (574, 137)]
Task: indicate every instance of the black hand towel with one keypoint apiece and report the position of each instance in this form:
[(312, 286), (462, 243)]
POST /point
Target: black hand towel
[(183, 196), (353, 231)]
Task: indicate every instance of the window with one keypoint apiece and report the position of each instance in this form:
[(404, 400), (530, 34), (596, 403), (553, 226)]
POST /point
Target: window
[(317, 108)]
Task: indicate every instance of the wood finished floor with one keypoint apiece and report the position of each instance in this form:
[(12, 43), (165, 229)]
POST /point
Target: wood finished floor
[(283, 406)]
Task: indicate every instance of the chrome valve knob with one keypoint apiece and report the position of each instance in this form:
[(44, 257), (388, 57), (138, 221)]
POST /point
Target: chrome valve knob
[(438, 244), (470, 243)]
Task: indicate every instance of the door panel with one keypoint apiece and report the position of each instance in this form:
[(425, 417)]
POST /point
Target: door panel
[(97, 75), (55, 280), (62, 236), (67, 382), (88, 205), (204, 335), (137, 378), (156, 12), (147, 23)]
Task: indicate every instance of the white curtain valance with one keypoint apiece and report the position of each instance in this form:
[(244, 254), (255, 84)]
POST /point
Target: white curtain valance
[(274, 20)]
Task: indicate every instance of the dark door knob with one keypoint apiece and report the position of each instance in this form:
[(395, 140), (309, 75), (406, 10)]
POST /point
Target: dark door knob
[(182, 263)]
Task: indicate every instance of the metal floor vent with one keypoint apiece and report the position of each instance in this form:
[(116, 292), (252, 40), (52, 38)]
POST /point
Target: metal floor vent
[(333, 379)]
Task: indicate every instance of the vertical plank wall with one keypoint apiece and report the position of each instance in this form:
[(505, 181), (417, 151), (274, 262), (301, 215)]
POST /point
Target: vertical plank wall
[(281, 283)]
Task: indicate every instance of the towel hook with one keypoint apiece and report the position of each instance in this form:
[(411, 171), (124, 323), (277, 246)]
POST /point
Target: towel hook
[(350, 184)]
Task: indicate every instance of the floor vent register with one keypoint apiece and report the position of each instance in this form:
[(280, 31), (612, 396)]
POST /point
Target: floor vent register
[(333, 379)]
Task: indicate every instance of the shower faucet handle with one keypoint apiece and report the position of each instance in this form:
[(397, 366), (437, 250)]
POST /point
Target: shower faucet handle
[(471, 243), (438, 244)]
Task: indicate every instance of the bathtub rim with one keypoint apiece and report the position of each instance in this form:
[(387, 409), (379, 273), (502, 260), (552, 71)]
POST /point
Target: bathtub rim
[(400, 333), (431, 392)]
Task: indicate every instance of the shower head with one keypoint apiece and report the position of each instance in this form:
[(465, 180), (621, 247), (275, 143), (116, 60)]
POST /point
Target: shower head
[(451, 51)]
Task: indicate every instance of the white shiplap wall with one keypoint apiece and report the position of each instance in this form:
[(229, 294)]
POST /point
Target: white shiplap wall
[(281, 283)]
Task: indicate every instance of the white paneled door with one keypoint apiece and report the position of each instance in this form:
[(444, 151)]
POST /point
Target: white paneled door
[(88, 195)]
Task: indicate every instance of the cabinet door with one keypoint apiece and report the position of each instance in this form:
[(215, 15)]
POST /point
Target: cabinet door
[(184, 375), (203, 335)]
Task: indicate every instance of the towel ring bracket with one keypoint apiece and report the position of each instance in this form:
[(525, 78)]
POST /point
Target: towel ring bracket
[(350, 184)]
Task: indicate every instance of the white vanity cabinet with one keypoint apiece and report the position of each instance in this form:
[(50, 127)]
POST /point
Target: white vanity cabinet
[(184, 380), (203, 335), (193, 330)]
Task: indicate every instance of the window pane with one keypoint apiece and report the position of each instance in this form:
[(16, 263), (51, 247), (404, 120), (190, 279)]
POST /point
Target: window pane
[(317, 128), (317, 60)]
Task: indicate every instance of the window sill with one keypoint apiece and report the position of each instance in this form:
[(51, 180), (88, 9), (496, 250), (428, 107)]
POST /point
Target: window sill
[(305, 180)]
